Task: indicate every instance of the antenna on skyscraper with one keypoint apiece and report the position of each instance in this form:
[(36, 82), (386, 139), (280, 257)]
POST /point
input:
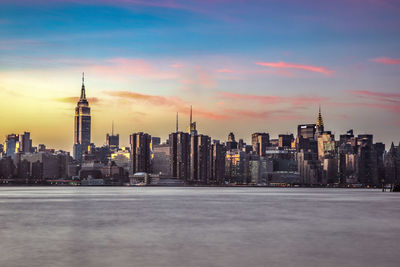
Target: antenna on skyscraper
[(112, 128), (83, 93), (190, 115), (177, 122)]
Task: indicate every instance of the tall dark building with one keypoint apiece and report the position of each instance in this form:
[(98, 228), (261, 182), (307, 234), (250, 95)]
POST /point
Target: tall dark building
[(179, 144), (285, 140), (367, 160), (307, 131), (155, 141), (346, 138), (140, 152), (112, 140), (12, 145), (200, 161), (306, 138), (231, 143), (218, 163), (260, 142), (392, 165), (82, 124), (25, 143)]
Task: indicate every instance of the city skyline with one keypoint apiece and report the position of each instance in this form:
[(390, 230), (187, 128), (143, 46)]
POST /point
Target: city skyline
[(83, 129), (260, 66)]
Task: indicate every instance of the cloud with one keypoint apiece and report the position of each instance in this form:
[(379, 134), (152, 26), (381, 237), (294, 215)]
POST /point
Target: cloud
[(173, 103), (176, 65), (199, 111), (13, 44), (380, 100), (372, 94), (74, 100), (386, 60), (151, 99), (285, 65), (295, 101), (197, 80), (272, 115), (117, 67), (225, 70)]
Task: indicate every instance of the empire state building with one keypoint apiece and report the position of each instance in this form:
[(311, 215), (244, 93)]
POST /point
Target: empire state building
[(82, 124)]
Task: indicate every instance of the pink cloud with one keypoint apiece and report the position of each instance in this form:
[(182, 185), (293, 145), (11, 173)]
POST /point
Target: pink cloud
[(274, 115), (378, 100), (225, 70), (285, 65), (376, 105), (372, 94), (116, 67), (197, 79), (173, 103), (151, 99), (296, 101), (201, 112), (386, 60), (176, 66), (241, 97)]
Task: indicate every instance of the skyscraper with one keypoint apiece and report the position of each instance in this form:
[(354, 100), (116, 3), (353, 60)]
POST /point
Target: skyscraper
[(320, 123), (218, 163), (12, 145), (112, 140), (231, 143), (140, 152), (260, 142), (82, 124), (179, 143), (306, 131), (285, 140), (200, 160), (26, 142)]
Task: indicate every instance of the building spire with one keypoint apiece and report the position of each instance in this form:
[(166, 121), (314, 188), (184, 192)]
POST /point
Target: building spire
[(190, 116), (83, 93), (112, 128), (177, 122), (320, 121)]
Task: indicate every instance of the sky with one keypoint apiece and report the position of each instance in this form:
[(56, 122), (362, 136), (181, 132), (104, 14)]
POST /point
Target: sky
[(244, 66)]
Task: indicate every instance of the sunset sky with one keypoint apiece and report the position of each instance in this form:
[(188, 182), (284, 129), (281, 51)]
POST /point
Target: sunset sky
[(245, 66)]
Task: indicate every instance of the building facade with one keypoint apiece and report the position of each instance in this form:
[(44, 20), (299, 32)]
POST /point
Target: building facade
[(140, 152), (82, 129)]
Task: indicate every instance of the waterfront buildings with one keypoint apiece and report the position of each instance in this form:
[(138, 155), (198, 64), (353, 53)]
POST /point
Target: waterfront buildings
[(313, 158)]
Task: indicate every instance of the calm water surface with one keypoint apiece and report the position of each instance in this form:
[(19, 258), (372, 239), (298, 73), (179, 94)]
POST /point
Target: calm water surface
[(118, 226)]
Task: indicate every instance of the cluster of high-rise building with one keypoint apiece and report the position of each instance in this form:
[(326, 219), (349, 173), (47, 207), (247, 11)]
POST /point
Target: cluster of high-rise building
[(314, 157)]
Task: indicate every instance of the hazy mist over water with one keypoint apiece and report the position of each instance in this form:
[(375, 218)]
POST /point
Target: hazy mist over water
[(160, 226)]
